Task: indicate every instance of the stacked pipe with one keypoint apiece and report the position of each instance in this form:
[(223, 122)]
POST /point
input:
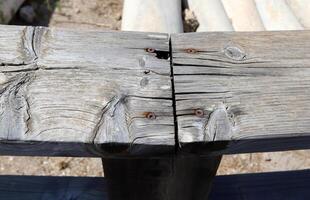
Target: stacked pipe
[(217, 15)]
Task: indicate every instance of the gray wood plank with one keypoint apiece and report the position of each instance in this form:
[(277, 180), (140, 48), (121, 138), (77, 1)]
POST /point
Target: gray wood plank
[(246, 88), (85, 93), (88, 88)]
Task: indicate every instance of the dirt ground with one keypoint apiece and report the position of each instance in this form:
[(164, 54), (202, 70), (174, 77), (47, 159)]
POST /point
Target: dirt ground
[(106, 14)]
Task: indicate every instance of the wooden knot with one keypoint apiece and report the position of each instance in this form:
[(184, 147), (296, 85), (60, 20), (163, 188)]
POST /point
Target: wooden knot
[(220, 125), (234, 53)]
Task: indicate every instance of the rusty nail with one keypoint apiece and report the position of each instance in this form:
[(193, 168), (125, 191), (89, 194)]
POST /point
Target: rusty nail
[(199, 112), (150, 115), (150, 50), (191, 51)]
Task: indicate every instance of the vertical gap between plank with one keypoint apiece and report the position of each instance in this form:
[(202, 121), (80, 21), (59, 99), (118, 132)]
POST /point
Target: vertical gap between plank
[(176, 136)]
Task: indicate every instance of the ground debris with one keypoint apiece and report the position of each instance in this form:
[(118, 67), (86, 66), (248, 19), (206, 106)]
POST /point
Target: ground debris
[(190, 21)]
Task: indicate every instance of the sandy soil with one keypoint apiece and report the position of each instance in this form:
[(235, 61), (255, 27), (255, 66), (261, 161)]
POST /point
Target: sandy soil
[(94, 14), (265, 162), (106, 14)]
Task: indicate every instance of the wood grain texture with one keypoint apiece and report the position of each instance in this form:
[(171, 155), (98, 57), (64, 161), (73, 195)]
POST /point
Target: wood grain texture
[(244, 88), (84, 93), (91, 89)]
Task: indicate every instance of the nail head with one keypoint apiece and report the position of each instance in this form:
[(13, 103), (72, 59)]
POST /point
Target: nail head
[(191, 50), (150, 115), (199, 112), (150, 50)]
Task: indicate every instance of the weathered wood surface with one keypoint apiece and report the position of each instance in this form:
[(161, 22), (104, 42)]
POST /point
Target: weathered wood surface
[(84, 93), (247, 88), (152, 16), (177, 177), (90, 89)]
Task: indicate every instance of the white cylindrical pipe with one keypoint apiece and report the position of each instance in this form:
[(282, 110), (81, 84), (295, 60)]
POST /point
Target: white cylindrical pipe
[(152, 16), (8, 9), (277, 15), (211, 15), (244, 15), (301, 9)]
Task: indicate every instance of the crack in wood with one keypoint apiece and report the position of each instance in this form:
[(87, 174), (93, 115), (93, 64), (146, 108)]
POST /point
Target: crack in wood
[(32, 68), (14, 107), (67, 76), (33, 40), (27, 45), (101, 120)]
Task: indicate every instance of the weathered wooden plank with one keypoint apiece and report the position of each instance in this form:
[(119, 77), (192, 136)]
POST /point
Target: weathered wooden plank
[(246, 88), (87, 88), (67, 92), (177, 177), (152, 16)]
